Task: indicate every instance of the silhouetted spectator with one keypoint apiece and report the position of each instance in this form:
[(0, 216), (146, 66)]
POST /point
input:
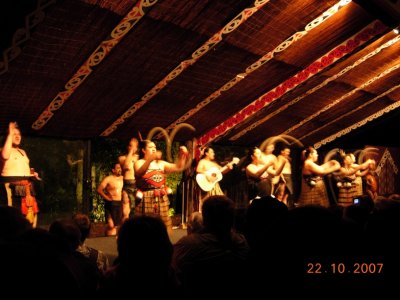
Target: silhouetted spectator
[(144, 258), (195, 223), (260, 217), (12, 223), (96, 256), (214, 260), (84, 270)]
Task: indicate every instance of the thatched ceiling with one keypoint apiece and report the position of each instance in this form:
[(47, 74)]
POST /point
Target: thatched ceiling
[(237, 71)]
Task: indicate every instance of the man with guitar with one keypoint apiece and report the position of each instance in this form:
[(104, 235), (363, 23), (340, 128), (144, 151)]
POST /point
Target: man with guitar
[(209, 173)]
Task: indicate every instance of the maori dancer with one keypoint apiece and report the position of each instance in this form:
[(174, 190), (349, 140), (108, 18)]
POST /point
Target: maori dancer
[(150, 172), (313, 190), (129, 188), (110, 188), (281, 172), (274, 176), (16, 176), (348, 174), (372, 182), (359, 191), (285, 185), (259, 173)]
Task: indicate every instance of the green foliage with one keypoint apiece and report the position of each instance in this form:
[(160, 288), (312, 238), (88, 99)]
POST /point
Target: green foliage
[(171, 212), (97, 211), (56, 162)]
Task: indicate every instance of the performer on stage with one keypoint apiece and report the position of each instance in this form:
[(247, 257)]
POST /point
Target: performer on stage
[(260, 171), (348, 174), (128, 171), (150, 172), (313, 190), (285, 185), (372, 182), (209, 173), (16, 176), (110, 188), (359, 190), (274, 172)]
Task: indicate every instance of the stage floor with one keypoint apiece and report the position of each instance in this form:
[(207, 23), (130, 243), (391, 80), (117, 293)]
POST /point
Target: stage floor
[(108, 244)]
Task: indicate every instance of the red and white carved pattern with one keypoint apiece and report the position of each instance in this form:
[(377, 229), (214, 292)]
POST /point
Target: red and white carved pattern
[(259, 63), (343, 49)]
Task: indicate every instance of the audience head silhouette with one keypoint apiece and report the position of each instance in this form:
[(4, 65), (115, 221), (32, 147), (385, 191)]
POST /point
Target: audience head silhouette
[(84, 224), (144, 240), (218, 215), (12, 223)]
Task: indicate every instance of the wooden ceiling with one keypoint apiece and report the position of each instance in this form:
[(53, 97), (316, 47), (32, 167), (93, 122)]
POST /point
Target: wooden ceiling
[(237, 71)]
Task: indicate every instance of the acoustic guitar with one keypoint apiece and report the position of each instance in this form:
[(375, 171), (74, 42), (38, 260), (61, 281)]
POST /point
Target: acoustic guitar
[(208, 179)]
